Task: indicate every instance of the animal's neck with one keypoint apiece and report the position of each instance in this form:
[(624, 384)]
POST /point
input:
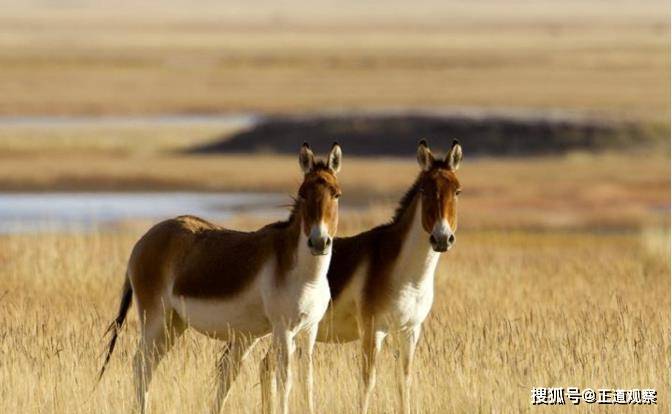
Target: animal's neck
[(285, 239), (297, 260), (416, 262), (308, 268)]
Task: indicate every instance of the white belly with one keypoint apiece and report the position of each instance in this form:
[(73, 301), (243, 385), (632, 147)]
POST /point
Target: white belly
[(222, 318)]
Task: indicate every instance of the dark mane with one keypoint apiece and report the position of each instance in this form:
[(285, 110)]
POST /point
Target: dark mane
[(282, 224), (407, 199)]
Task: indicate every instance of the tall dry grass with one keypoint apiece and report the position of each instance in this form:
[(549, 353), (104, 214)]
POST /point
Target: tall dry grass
[(513, 310)]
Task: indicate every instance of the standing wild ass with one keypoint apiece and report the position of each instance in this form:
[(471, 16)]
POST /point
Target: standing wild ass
[(235, 286), (382, 280)]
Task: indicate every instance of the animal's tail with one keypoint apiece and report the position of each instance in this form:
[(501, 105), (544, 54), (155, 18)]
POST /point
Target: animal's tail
[(118, 322)]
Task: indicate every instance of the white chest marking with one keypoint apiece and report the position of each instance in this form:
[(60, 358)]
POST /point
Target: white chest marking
[(302, 298), (413, 277)]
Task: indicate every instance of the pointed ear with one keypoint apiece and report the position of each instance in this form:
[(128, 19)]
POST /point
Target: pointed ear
[(306, 158), (334, 159), (425, 157), (454, 157)]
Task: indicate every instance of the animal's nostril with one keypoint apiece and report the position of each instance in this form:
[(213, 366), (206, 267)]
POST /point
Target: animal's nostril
[(432, 239), (329, 242), (451, 239), (310, 242)]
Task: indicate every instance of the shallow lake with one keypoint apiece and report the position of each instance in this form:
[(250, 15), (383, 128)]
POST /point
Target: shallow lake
[(239, 120), (39, 212)]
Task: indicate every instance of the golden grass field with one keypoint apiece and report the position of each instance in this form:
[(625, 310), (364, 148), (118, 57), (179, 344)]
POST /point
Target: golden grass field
[(560, 273), (560, 277), (513, 310)]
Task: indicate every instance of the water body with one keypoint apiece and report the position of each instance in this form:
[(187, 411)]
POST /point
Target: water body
[(41, 212), (237, 120)]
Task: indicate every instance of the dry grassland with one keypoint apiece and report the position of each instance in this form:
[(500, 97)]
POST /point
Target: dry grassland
[(513, 310), (560, 274), (559, 278), (590, 56)]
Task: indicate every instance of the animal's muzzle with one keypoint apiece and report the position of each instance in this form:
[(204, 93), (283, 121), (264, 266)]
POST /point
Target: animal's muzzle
[(319, 245), (442, 244), (442, 238), (319, 241)]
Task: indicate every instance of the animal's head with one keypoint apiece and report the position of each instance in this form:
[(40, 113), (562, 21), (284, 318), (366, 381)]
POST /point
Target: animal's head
[(318, 198), (439, 188)]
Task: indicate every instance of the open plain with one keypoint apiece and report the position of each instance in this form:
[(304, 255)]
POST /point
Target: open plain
[(560, 273)]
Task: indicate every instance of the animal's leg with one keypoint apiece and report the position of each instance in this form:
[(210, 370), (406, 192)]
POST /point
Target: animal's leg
[(228, 368), (158, 334), (408, 341), (267, 381), (306, 364), (284, 340), (372, 342)]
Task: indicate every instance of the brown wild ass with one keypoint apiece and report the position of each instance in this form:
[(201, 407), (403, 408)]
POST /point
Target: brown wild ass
[(235, 286), (382, 280)]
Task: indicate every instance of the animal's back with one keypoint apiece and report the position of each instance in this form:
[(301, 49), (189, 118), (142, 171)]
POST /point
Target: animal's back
[(162, 239), (163, 245), (221, 263)]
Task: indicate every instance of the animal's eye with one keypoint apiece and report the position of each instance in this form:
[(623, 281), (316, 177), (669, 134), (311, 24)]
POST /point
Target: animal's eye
[(457, 192), (337, 195)]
